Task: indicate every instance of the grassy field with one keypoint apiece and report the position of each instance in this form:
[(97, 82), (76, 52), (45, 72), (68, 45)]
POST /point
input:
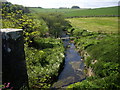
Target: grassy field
[(103, 24), (100, 52), (40, 10), (91, 12), (79, 12)]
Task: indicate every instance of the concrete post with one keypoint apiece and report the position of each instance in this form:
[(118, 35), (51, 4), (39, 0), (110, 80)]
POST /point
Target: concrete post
[(0, 58), (13, 58)]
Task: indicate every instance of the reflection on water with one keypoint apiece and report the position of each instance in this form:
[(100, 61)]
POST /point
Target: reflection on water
[(73, 68)]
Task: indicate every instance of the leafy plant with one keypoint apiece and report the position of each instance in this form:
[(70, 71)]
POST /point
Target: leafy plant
[(102, 48), (44, 65)]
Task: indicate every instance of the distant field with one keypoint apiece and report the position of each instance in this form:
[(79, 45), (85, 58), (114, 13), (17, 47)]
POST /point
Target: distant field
[(39, 10), (103, 24), (92, 12), (80, 12)]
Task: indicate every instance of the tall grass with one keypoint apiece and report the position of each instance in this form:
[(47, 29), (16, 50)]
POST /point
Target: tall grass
[(102, 56), (100, 51)]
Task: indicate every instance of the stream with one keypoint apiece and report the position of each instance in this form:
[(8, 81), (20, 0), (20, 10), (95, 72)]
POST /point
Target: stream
[(73, 68)]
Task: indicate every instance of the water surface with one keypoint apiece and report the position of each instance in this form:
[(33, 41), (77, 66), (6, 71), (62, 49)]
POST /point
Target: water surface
[(73, 68)]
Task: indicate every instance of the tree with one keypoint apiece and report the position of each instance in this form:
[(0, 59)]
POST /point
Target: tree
[(75, 7), (56, 24)]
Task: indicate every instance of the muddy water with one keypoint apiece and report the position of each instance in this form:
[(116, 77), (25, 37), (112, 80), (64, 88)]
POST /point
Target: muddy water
[(73, 68)]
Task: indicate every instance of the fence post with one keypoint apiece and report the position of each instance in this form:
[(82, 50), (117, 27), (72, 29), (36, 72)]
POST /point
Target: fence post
[(13, 58)]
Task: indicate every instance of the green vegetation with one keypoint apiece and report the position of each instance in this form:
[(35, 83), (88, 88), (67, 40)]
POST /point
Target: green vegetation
[(80, 12), (56, 24), (97, 42), (75, 7), (96, 24), (44, 65), (15, 17), (94, 12), (100, 52), (38, 10), (44, 53)]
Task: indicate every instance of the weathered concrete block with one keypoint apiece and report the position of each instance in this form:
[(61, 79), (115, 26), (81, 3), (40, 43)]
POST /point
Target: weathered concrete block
[(0, 58), (13, 58)]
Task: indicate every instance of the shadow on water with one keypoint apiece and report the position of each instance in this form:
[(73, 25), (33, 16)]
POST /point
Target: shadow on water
[(73, 67)]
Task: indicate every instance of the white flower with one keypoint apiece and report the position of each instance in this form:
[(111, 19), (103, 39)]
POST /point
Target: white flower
[(62, 55)]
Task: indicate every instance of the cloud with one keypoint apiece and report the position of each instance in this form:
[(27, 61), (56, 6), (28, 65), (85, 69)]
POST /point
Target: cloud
[(100, 4), (65, 3)]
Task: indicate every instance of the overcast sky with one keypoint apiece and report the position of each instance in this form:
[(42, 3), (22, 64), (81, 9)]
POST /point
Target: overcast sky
[(66, 3)]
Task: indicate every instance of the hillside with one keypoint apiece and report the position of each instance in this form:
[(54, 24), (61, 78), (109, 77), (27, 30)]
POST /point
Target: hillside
[(92, 12), (80, 12)]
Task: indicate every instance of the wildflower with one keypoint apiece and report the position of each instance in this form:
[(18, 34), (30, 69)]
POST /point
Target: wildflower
[(8, 85)]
